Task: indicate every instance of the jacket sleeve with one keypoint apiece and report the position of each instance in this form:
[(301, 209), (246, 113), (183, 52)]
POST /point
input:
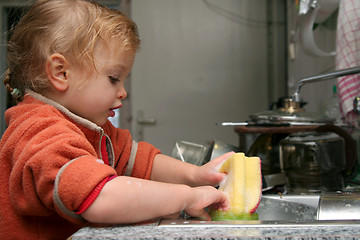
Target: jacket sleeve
[(55, 168), (131, 158)]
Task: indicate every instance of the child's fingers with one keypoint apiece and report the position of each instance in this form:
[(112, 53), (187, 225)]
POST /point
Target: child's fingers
[(204, 216), (222, 205), (222, 158), (210, 174)]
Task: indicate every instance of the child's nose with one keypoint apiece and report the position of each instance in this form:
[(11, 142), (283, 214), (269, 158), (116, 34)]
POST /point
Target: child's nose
[(122, 93)]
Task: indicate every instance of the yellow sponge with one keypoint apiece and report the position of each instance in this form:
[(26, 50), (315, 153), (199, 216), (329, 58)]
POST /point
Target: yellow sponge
[(242, 185)]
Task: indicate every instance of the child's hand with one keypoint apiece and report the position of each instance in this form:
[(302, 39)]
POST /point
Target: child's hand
[(206, 196), (208, 174)]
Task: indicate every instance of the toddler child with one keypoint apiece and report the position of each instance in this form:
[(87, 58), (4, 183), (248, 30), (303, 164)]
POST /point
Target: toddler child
[(63, 165)]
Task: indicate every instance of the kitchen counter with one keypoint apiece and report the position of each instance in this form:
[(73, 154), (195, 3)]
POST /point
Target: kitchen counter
[(170, 229), (280, 217)]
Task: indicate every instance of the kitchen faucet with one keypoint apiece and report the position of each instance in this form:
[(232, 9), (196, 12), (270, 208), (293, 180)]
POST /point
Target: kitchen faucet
[(326, 76)]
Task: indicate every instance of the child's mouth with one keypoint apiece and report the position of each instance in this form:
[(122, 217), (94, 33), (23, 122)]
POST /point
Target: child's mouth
[(112, 110)]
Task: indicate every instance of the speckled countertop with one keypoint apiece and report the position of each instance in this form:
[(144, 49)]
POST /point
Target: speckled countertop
[(280, 207), (170, 229)]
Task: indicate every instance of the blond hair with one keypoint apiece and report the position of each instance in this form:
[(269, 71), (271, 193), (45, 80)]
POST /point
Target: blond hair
[(68, 27)]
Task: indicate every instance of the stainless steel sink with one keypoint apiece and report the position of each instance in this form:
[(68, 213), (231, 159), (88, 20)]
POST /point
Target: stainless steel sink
[(290, 211), (288, 207)]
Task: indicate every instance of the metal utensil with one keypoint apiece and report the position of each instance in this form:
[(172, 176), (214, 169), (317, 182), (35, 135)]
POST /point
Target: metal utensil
[(272, 180), (218, 148), (189, 152), (271, 124)]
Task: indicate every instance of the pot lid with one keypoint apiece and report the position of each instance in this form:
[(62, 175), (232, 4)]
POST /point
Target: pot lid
[(291, 112), (284, 117)]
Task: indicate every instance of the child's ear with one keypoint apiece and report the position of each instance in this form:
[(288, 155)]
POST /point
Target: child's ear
[(56, 70)]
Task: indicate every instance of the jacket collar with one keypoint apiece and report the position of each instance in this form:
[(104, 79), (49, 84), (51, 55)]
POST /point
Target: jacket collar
[(80, 120)]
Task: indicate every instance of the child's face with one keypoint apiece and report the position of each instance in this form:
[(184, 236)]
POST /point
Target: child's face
[(95, 93)]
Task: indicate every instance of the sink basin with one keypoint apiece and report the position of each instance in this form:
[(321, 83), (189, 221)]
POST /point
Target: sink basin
[(288, 207), (284, 210)]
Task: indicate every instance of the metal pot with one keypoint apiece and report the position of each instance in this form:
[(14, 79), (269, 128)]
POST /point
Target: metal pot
[(284, 127), (313, 161), (276, 125), (272, 126)]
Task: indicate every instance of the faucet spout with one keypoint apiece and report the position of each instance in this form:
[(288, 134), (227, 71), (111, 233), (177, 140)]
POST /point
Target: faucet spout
[(326, 76)]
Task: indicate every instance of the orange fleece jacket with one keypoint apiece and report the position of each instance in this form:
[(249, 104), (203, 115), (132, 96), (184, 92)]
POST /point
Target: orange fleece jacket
[(51, 161)]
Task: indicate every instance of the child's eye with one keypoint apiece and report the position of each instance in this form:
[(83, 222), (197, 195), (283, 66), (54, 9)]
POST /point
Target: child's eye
[(113, 79)]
